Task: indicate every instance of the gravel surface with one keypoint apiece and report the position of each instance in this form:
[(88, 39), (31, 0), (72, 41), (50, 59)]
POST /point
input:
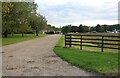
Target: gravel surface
[(36, 58)]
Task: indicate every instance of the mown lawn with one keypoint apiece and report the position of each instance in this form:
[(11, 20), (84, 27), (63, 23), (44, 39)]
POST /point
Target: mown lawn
[(101, 63), (17, 38)]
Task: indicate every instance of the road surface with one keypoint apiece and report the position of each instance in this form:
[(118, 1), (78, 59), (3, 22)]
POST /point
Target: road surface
[(36, 58)]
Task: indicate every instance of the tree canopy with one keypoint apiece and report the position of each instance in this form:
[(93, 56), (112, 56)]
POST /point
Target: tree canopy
[(84, 29), (21, 17)]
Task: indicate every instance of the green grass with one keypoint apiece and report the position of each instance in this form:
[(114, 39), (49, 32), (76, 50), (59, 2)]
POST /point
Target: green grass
[(97, 49), (17, 38), (101, 63), (61, 43)]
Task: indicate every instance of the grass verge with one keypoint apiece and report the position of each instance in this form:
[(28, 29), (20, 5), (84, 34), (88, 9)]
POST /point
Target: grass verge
[(17, 38), (102, 63)]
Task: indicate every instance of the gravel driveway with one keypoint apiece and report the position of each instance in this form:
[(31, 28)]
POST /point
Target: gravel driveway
[(36, 58)]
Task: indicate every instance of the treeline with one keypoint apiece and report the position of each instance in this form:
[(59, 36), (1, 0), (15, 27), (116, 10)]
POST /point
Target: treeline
[(50, 28), (85, 29), (21, 17)]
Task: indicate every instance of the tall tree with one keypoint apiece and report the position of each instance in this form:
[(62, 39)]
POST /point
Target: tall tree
[(6, 17), (98, 28), (15, 14), (37, 22), (104, 28), (85, 29), (66, 29), (80, 28), (92, 29)]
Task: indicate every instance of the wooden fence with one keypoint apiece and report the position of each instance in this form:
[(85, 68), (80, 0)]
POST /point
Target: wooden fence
[(100, 41)]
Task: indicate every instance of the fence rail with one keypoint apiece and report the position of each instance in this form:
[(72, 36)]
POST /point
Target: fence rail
[(100, 41)]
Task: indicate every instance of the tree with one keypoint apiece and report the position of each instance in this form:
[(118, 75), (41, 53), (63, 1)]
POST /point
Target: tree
[(15, 14), (6, 18), (23, 15), (98, 28), (74, 29), (42, 23), (85, 29), (80, 28), (118, 26), (37, 22), (104, 28), (92, 29), (66, 29), (48, 27), (24, 28)]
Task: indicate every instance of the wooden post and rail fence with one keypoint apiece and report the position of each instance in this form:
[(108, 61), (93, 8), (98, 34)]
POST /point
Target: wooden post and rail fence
[(100, 41)]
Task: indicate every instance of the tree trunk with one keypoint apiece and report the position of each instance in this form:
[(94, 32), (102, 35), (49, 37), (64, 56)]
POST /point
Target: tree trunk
[(22, 34), (36, 33), (5, 34), (12, 33)]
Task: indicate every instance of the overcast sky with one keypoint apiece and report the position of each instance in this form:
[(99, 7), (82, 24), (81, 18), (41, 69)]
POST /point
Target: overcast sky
[(75, 12)]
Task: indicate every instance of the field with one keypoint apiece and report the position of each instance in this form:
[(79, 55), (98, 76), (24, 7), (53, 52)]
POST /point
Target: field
[(101, 63), (17, 38)]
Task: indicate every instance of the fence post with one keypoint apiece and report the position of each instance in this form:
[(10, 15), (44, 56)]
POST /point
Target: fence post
[(102, 45), (70, 41), (81, 42)]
